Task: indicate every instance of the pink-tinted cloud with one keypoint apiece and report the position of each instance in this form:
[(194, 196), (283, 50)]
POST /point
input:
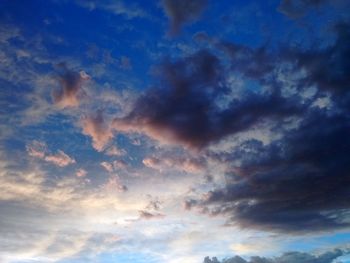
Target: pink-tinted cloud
[(115, 165), (98, 130), (71, 90), (153, 163), (114, 151), (108, 166), (162, 134), (119, 164), (60, 159), (81, 173), (114, 184), (39, 150)]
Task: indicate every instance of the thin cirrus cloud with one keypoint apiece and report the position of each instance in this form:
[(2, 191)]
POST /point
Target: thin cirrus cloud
[(115, 7)]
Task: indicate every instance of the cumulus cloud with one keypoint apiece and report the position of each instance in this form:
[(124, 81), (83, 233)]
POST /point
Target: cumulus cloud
[(71, 87), (289, 257), (98, 130), (182, 12), (39, 150)]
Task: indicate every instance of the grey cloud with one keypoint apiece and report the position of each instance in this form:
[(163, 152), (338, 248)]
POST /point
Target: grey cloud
[(150, 215), (298, 8), (71, 87), (181, 12), (185, 109), (296, 183)]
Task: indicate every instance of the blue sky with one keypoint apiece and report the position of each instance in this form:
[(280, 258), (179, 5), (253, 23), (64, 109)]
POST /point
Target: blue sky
[(171, 131)]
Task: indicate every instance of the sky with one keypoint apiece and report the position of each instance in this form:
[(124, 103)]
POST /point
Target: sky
[(172, 131)]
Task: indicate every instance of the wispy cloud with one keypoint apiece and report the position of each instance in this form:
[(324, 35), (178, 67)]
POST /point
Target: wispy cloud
[(39, 150), (115, 7)]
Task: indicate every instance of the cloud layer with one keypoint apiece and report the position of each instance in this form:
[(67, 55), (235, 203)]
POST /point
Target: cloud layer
[(289, 257)]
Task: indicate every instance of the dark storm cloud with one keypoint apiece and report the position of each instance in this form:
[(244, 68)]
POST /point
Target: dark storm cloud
[(289, 257), (297, 183), (328, 68), (181, 12), (185, 109)]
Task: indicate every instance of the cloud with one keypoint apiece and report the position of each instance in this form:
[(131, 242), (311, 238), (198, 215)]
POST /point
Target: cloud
[(143, 214), (108, 166), (114, 166), (125, 63), (114, 184), (296, 182), (182, 12), (71, 90), (186, 109), (298, 8), (114, 151), (39, 150), (98, 130), (60, 159), (185, 164), (81, 173), (289, 257), (115, 7)]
